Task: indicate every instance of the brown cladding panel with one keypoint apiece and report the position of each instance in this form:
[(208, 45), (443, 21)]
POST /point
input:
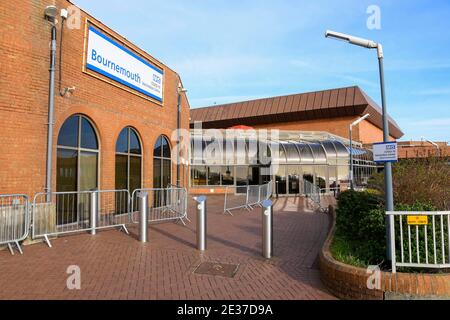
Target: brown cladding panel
[(333, 98), (296, 103), (249, 110), (282, 104), (288, 106), (303, 100), (350, 97), (275, 105), (268, 108), (326, 99), (341, 97), (310, 101), (359, 97), (261, 107)]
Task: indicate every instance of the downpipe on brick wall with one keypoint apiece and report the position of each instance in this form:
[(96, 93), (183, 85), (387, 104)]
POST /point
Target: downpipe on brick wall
[(51, 107)]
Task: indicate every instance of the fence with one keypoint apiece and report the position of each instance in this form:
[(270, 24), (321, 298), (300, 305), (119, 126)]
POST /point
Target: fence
[(314, 193), (427, 244), (14, 220), (69, 212), (164, 204), (245, 197)]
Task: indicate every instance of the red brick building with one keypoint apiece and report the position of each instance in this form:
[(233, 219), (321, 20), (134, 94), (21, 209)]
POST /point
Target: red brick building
[(98, 148)]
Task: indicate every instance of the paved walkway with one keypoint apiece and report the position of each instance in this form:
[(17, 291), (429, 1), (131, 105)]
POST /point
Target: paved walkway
[(116, 266)]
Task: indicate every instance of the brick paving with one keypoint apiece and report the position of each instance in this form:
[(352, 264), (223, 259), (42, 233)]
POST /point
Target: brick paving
[(116, 266)]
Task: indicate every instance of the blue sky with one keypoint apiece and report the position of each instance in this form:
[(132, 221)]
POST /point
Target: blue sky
[(231, 50)]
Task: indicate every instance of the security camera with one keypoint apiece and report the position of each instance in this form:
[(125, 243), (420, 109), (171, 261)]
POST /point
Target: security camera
[(67, 90)]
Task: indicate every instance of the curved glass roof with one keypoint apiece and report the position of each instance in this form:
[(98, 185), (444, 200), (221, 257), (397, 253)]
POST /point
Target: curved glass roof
[(251, 151)]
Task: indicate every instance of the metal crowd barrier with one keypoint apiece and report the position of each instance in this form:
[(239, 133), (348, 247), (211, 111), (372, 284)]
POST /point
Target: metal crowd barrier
[(164, 204), (14, 220), (411, 231), (314, 193), (245, 197), (70, 212)]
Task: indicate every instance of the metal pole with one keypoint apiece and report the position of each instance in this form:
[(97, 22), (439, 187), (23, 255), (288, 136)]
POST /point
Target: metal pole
[(94, 212), (267, 229), (201, 222), (51, 107), (389, 197), (143, 216), (276, 188), (351, 157), (178, 136)]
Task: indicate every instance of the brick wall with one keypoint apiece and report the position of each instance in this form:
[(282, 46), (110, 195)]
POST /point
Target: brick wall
[(24, 64), (365, 132)]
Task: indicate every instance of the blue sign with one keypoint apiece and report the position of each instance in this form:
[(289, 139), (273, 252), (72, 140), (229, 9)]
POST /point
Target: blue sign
[(118, 63)]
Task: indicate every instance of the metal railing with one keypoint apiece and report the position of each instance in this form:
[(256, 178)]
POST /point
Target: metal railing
[(417, 242), (70, 212), (163, 204), (245, 197), (314, 193), (14, 220)]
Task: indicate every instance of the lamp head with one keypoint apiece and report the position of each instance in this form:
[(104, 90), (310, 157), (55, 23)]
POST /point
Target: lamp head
[(50, 13), (351, 39)]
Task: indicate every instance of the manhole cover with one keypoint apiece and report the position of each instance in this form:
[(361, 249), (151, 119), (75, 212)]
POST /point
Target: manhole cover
[(217, 269)]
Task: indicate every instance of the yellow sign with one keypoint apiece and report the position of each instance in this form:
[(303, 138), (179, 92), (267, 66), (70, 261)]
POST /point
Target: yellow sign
[(418, 220)]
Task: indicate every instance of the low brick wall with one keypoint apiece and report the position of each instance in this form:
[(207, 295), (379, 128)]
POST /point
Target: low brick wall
[(348, 282)]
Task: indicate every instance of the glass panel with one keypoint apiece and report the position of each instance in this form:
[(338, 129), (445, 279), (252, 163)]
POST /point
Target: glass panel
[(241, 178), (88, 136), (66, 175), (122, 141), (308, 173), (157, 173), (68, 135), (321, 177), (253, 176), (214, 176), (294, 179), (88, 171), (227, 176), (280, 179), (198, 176), (332, 176), (88, 181), (157, 151), (165, 148), (121, 180), (135, 145), (121, 172), (319, 153), (292, 153), (305, 153), (167, 169), (135, 173)]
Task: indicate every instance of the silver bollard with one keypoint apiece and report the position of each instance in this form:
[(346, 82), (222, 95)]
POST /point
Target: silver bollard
[(267, 229), (143, 216), (94, 212), (201, 222)]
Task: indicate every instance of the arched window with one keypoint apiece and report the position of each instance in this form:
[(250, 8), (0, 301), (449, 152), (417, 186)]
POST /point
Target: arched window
[(77, 155), (161, 163), (128, 160)]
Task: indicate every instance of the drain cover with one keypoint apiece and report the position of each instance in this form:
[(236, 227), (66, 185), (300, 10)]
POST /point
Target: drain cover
[(217, 269)]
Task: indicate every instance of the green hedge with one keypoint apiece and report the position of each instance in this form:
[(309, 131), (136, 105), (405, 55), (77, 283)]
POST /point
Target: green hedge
[(360, 229)]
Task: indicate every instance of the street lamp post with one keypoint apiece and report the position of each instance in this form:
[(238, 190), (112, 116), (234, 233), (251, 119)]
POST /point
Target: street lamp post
[(434, 144), (369, 44), (351, 147)]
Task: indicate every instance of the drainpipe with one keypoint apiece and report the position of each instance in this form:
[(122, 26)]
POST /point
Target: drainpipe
[(178, 135), (51, 107)]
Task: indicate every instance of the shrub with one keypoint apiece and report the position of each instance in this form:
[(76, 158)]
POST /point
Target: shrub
[(418, 180), (360, 222)]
